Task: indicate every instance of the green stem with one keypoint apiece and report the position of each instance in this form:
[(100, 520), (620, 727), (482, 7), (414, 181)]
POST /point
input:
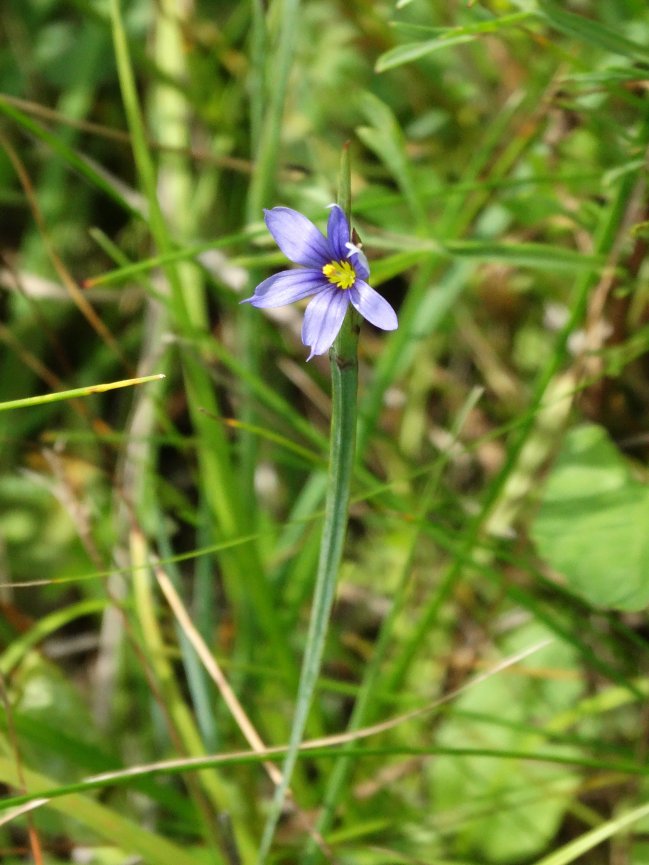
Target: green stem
[(344, 384), (338, 777)]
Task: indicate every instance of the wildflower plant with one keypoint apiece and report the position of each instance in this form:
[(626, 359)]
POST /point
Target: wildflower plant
[(334, 272), (500, 498)]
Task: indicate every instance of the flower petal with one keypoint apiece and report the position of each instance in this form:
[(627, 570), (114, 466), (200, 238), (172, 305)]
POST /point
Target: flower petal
[(297, 237), (287, 287), (359, 261), (338, 233), (323, 319), (372, 306)]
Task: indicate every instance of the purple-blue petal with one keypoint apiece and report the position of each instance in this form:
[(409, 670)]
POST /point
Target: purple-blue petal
[(297, 237), (338, 233), (286, 287), (372, 306), (360, 264), (323, 318)]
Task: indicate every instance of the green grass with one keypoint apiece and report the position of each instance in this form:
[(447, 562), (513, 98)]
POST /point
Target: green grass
[(483, 688)]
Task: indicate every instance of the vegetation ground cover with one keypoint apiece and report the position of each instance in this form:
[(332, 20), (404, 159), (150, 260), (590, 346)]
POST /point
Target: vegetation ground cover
[(483, 691)]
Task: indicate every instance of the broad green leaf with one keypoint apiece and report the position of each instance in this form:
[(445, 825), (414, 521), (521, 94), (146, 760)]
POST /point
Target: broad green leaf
[(591, 525), (506, 813)]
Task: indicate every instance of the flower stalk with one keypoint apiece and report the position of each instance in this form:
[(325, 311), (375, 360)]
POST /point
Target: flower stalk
[(344, 381)]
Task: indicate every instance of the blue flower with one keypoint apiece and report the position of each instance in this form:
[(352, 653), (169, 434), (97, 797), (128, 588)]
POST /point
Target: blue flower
[(334, 271)]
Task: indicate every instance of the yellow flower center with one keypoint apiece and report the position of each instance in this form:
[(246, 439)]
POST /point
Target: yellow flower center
[(340, 273)]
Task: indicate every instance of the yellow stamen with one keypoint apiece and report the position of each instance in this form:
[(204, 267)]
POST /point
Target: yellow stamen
[(340, 273)]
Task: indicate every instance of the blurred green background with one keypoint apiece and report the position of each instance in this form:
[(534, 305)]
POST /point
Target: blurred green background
[(490, 614)]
